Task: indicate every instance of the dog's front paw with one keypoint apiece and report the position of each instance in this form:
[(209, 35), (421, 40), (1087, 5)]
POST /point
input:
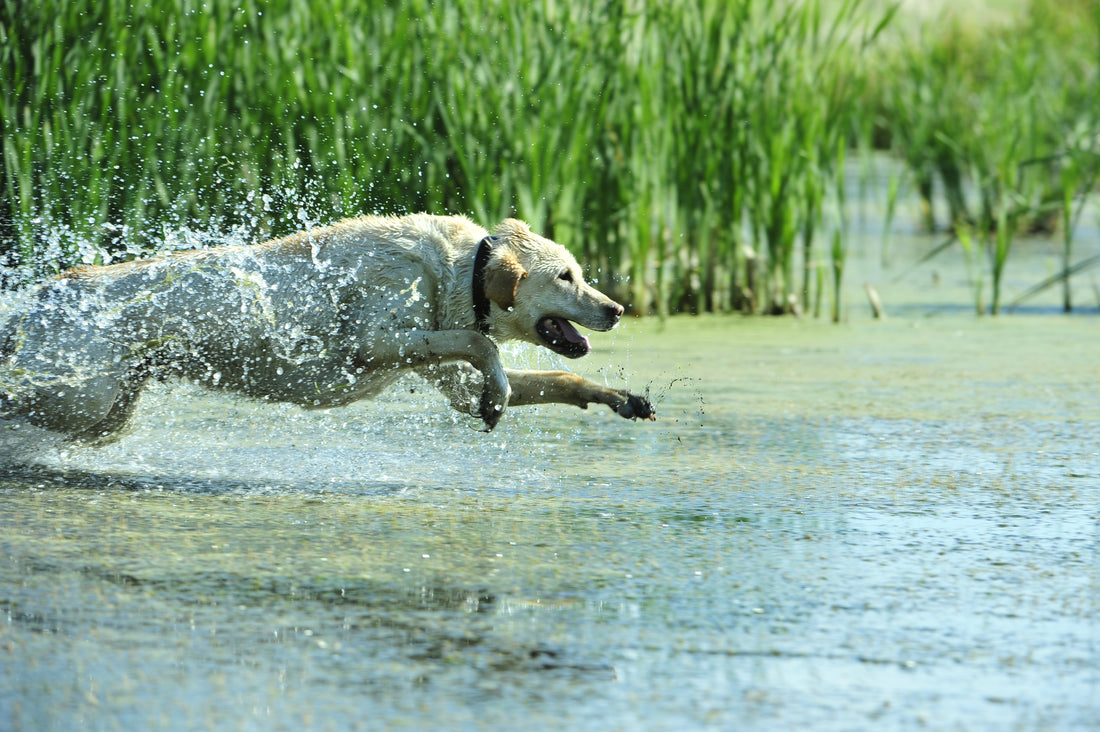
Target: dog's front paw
[(489, 411), (635, 407), (493, 401)]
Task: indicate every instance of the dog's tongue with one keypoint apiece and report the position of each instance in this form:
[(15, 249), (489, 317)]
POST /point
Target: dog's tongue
[(563, 329)]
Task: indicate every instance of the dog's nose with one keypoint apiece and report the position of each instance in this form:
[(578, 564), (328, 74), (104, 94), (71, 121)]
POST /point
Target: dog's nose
[(615, 311)]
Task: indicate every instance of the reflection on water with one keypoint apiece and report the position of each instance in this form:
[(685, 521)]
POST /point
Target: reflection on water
[(887, 524)]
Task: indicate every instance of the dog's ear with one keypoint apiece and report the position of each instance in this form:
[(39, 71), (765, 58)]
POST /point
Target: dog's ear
[(502, 277)]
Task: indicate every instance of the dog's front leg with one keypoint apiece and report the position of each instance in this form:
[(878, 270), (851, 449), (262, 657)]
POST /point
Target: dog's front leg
[(563, 387), (419, 349)]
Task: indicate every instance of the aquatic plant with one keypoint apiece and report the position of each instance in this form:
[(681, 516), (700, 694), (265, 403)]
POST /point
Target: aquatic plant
[(688, 153), (683, 150), (994, 116)]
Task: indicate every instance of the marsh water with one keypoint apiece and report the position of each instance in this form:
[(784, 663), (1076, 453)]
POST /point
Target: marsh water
[(870, 525)]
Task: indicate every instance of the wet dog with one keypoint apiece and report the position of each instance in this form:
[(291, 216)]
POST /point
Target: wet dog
[(321, 319)]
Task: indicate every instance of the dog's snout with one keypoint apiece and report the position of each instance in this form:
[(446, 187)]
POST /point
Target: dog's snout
[(614, 311)]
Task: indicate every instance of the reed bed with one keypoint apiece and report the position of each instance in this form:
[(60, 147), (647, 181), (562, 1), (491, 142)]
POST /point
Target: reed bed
[(683, 150), (999, 126), (691, 154)]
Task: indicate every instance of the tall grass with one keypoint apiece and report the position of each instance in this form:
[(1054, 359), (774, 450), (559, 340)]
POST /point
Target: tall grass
[(683, 150), (1003, 121)]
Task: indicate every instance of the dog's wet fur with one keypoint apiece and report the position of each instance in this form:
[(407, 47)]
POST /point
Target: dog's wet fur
[(321, 319)]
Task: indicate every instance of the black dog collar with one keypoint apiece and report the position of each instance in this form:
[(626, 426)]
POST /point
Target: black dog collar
[(481, 302)]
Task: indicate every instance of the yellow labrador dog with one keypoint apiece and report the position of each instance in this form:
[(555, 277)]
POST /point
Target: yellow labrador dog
[(321, 319)]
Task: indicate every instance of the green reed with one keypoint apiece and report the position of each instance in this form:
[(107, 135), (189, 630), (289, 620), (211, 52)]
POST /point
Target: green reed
[(1001, 119), (684, 150)]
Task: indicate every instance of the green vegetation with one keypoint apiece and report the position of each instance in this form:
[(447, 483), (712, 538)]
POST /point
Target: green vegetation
[(692, 154), (1004, 120)]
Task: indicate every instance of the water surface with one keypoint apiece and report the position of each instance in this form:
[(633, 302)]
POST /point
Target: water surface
[(888, 525)]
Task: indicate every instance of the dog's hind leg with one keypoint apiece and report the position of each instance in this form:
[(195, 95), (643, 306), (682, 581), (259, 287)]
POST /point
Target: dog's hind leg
[(92, 410), (113, 425)]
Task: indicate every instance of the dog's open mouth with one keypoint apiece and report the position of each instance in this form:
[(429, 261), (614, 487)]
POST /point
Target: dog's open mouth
[(560, 336)]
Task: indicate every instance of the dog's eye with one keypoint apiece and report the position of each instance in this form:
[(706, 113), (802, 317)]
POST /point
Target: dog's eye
[(566, 275)]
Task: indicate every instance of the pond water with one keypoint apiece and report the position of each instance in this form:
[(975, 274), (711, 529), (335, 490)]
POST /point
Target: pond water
[(889, 524), (877, 524)]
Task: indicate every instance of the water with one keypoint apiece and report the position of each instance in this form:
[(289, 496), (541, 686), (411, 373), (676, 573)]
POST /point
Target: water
[(871, 525), (889, 525)]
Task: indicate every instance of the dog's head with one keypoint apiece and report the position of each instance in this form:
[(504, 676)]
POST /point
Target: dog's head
[(539, 292)]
